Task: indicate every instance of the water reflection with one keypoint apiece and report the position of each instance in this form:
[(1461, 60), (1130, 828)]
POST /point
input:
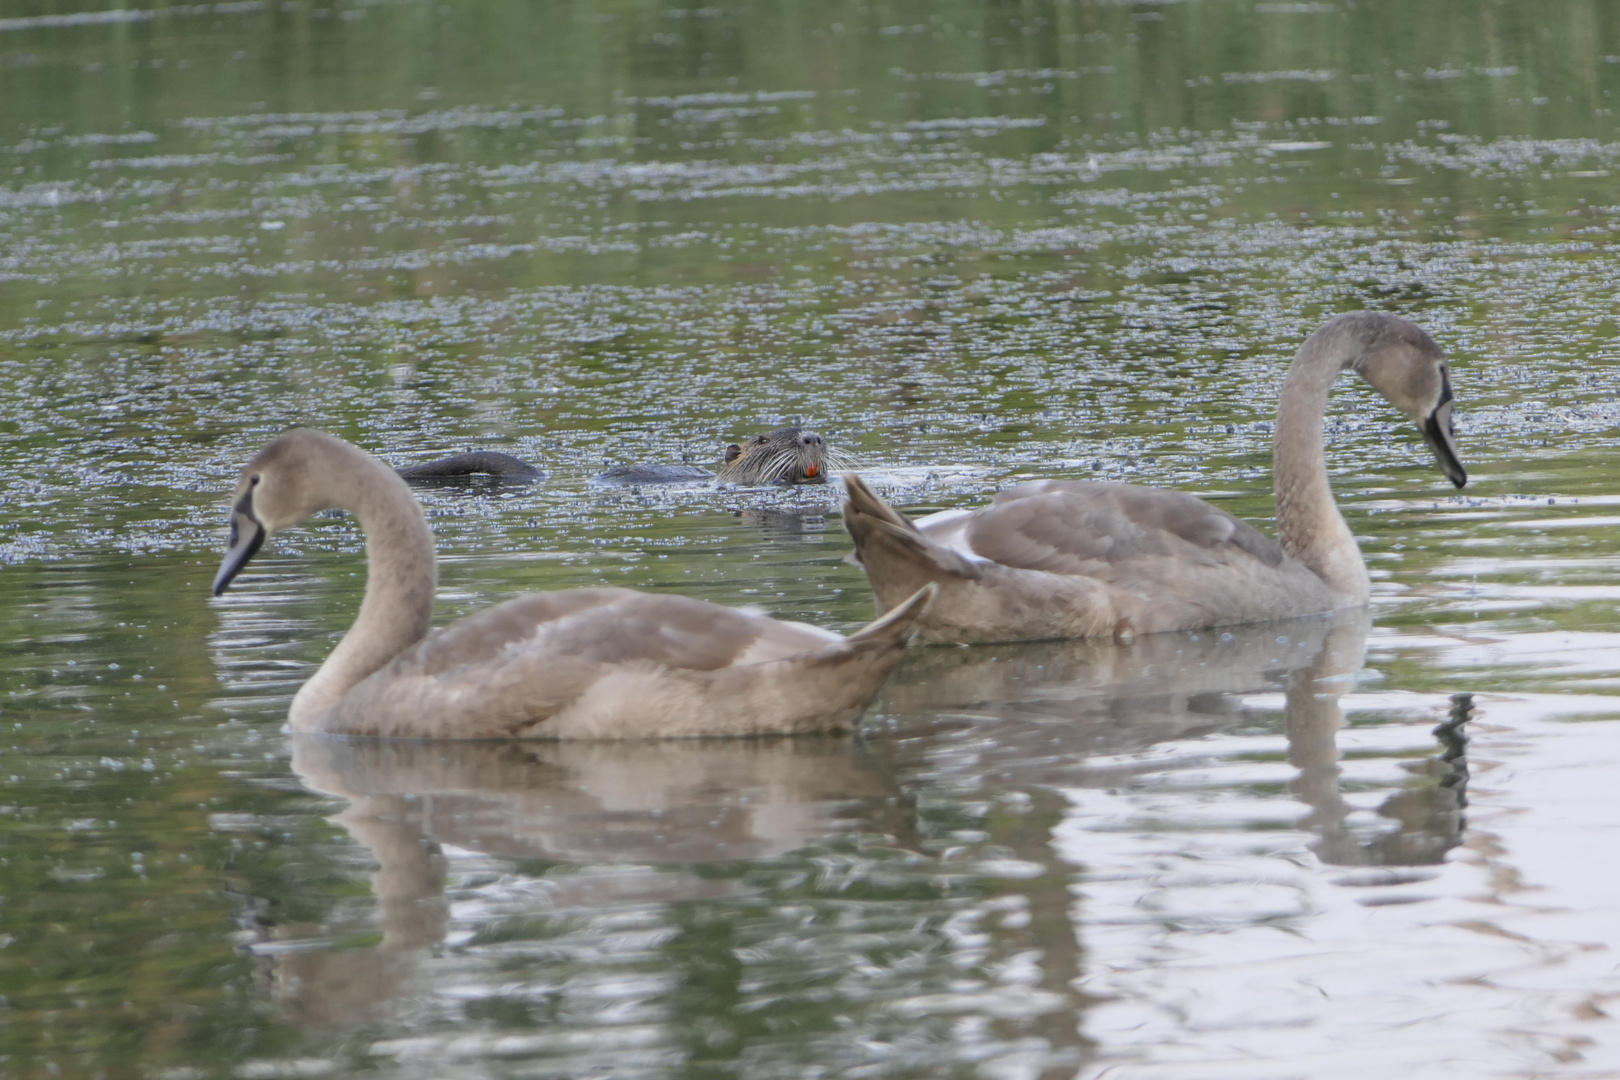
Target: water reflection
[(772, 522), (507, 872), (1087, 714), (615, 802), (651, 809), (1427, 818), (1097, 698)]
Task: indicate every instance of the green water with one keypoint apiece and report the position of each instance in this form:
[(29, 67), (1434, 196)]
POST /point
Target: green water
[(967, 243)]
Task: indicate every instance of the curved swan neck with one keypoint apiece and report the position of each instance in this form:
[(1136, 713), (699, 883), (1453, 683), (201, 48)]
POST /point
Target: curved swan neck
[(401, 578), (1309, 525)]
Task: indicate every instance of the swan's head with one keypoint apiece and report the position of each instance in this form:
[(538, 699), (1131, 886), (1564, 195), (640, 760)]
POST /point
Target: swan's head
[(282, 486), (1403, 363)]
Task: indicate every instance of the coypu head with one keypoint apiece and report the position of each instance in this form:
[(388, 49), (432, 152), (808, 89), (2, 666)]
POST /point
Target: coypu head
[(784, 456)]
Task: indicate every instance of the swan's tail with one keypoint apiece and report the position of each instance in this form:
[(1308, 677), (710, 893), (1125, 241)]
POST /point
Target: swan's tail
[(897, 557), (897, 625), (832, 686)]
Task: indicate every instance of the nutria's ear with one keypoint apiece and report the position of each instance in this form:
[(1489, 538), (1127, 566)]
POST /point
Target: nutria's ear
[(733, 452)]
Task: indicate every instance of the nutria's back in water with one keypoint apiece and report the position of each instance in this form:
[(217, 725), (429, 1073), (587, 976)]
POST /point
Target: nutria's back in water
[(476, 463), (784, 456)]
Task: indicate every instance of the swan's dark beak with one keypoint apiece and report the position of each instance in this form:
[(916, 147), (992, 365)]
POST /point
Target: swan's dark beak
[(246, 536), (1438, 433)]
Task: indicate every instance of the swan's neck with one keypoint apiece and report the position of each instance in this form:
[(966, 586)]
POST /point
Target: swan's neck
[(400, 584), (1309, 524)]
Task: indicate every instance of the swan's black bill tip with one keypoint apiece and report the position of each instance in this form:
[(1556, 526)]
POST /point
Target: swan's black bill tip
[(246, 537), (1437, 432)]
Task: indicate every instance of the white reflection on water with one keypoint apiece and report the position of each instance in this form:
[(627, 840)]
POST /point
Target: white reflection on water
[(1401, 922), (1218, 951)]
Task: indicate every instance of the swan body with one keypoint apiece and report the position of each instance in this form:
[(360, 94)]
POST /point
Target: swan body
[(1061, 559), (581, 664)]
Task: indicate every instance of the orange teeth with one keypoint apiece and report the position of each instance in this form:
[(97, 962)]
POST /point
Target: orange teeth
[(812, 471)]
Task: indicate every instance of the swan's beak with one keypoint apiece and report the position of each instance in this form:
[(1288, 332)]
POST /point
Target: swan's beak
[(246, 536), (1438, 433)]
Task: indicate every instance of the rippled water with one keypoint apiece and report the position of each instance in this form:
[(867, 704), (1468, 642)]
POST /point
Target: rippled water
[(967, 243)]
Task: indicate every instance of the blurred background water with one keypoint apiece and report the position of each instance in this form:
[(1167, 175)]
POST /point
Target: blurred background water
[(969, 243)]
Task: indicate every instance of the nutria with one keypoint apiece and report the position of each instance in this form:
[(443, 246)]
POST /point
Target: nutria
[(785, 456), (475, 463)]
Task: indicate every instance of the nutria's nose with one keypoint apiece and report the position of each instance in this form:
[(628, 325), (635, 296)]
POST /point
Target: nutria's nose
[(812, 440)]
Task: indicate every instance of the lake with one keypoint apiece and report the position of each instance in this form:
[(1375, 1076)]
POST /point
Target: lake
[(970, 244)]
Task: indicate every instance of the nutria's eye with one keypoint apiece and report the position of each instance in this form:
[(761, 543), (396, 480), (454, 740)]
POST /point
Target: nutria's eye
[(253, 480)]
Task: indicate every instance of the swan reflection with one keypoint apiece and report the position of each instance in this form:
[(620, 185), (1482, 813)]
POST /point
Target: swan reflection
[(580, 887), (1089, 714), (653, 801), (591, 826)]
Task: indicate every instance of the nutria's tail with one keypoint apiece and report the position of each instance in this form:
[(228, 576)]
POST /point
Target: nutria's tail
[(897, 557), (486, 462)]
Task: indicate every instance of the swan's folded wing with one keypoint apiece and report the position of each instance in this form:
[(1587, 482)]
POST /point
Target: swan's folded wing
[(1079, 527), (614, 626), (515, 665)]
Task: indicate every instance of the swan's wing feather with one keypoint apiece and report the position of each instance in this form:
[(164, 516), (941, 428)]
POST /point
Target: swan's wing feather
[(514, 667), (1092, 528), (612, 626)]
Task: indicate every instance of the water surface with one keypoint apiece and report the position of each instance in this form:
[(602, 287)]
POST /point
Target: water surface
[(969, 243)]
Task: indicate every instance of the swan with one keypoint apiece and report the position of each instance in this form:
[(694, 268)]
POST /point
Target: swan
[(581, 664), (1061, 559)]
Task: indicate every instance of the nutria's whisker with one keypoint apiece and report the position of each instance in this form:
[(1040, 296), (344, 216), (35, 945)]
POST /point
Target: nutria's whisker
[(781, 465), (785, 456)]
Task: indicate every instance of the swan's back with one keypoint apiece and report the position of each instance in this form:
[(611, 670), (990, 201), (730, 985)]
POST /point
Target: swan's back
[(527, 667), (1166, 559), (611, 626), (1079, 559), (1111, 531)]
